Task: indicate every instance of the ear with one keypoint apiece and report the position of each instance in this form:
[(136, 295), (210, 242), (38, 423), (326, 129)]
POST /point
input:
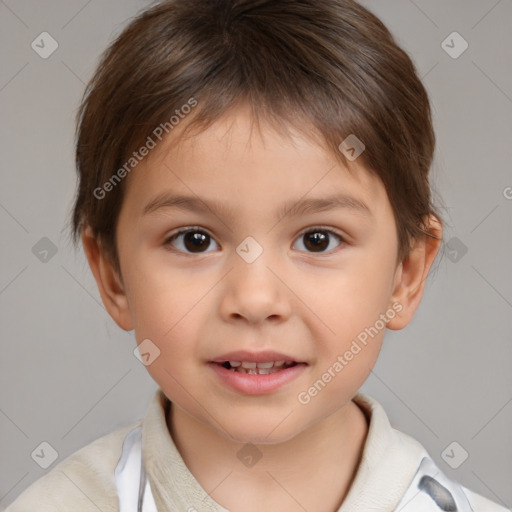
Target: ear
[(110, 284), (411, 274)]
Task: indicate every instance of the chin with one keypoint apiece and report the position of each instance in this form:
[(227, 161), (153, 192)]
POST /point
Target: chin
[(255, 431)]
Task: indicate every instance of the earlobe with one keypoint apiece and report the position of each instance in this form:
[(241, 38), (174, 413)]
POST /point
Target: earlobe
[(109, 282), (411, 274)]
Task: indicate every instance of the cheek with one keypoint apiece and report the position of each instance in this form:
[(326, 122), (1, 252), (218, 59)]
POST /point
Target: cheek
[(167, 313), (339, 378), (351, 307), (356, 298), (162, 303)]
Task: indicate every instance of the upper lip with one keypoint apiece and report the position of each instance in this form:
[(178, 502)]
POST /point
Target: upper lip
[(255, 357)]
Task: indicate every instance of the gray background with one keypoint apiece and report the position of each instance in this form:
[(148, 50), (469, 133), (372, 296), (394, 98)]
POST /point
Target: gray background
[(68, 373)]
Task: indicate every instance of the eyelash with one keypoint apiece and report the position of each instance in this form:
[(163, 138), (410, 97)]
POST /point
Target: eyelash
[(192, 229)]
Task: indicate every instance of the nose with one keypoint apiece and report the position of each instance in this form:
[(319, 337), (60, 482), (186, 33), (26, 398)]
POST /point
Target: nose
[(255, 292)]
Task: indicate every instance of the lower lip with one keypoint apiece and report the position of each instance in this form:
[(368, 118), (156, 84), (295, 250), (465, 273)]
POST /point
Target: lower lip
[(257, 384)]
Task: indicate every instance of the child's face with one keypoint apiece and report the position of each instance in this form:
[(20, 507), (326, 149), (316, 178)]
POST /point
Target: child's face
[(199, 299)]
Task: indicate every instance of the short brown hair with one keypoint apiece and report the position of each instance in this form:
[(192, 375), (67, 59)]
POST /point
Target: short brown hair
[(327, 66)]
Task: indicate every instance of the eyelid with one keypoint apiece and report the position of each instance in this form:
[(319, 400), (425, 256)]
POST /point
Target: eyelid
[(186, 229), (189, 228), (302, 232), (322, 228)]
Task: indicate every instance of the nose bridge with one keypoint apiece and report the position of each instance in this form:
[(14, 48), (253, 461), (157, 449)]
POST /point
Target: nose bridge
[(253, 289), (252, 262)]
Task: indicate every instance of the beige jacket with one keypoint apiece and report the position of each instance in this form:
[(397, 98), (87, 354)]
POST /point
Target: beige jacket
[(395, 474)]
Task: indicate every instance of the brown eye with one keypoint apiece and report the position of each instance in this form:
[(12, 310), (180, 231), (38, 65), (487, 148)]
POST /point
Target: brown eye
[(192, 241), (318, 240)]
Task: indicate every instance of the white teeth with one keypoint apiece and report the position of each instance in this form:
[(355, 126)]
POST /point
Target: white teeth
[(265, 365), (251, 364), (252, 368)]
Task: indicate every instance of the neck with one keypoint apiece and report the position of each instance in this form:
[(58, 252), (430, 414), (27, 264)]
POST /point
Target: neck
[(312, 471)]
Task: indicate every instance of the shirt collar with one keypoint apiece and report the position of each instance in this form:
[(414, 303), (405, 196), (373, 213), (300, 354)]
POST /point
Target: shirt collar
[(388, 464)]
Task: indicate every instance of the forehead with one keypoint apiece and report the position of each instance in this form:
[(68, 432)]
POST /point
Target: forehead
[(240, 164)]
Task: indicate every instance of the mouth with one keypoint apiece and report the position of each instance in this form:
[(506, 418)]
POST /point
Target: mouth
[(267, 375), (256, 373), (254, 368)]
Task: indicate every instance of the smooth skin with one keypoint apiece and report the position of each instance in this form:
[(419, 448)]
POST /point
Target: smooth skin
[(295, 298)]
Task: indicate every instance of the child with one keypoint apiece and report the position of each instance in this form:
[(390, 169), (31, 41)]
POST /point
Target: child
[(254, 203)]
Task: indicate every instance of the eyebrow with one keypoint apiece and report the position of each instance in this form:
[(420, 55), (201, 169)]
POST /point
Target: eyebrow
[(292, 208)]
